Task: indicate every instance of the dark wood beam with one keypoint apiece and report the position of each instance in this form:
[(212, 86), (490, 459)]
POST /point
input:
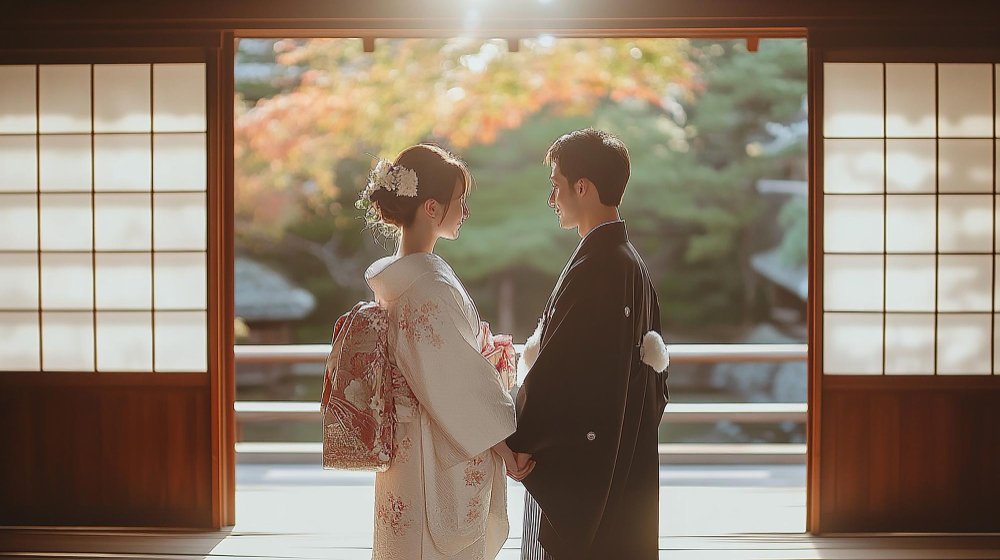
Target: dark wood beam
[(493, 15)]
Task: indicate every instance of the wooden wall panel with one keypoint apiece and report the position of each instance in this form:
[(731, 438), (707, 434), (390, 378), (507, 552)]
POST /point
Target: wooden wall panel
[(910, 454), (132, 455)]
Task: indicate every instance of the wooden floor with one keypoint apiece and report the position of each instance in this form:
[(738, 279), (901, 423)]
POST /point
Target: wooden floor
[(300, 512)]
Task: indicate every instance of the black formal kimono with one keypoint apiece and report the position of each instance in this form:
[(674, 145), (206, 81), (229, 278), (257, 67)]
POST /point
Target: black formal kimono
[(589, 408)]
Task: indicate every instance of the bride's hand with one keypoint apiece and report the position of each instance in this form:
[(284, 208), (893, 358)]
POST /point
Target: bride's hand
[(515, 471)]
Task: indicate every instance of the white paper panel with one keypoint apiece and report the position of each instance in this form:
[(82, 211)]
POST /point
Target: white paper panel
[(64, 98), (124, 341), (181, 341), (66, 222), (18, 281), (18, 222), (19, 342), (965, 100), (179, 162), (911, 165), (67, 281), (122, 162), (17, 100), (996, 220), (852, 343), (965, 223), (853, 223), (179, 99), (18, 163), (179, 221), (996, 284), (853, 166), (965, 282), (852, 100), (181, 281), (65, 163), (909, 282), (964, 344), (69, 341), (965, 166), (121, 98), (996, 341), (909, 100), (124, 281), (852, 282), (123, 222), (909, 344), (910, 223)]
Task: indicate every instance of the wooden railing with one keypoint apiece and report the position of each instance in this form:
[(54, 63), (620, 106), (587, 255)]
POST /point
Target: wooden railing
[(290, 411)]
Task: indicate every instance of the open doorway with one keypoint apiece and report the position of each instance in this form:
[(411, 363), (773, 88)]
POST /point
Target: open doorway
[(716, 204)]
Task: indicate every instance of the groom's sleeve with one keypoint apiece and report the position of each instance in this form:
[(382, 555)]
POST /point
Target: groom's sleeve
[(578, 383)]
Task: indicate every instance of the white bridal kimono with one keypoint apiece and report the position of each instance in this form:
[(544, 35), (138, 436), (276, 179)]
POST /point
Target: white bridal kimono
[(444, 496)]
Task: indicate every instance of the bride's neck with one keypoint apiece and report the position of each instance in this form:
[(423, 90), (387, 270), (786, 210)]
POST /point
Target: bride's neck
[(415, 240)]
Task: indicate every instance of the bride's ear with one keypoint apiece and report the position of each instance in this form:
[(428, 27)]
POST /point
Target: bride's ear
[(431, 208)]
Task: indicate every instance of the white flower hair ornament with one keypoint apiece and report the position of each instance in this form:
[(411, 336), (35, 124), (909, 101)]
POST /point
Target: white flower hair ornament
[(393, 178)]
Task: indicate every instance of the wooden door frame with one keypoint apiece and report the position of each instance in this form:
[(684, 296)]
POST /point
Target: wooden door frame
[(82, 28), (720, 33)]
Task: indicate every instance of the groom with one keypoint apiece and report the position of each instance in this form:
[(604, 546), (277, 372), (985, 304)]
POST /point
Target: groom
[(590, 405)]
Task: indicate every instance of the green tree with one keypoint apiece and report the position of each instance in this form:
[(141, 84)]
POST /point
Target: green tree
[(302, 154), (698, 202), (702, 121), (691, 205)]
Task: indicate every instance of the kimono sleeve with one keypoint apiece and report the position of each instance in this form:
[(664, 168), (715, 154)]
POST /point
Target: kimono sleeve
[(456, 387), (580, 377)]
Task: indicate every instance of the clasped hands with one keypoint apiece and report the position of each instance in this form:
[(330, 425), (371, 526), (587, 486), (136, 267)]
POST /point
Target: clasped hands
[(519, 465)]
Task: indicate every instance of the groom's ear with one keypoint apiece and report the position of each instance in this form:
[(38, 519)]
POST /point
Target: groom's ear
[(583, 186)]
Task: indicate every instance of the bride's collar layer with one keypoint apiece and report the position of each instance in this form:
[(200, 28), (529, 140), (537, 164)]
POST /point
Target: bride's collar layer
[(390, 276)]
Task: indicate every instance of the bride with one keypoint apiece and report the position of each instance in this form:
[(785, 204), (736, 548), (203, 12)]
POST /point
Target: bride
[(444, 495)]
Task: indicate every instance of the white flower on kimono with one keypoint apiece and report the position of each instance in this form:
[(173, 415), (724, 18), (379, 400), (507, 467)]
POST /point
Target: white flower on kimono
[(358, 393), (379, 322), (377, 404)]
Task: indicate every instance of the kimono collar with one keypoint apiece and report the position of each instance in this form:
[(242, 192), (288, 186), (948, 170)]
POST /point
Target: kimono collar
[(609, 234), (389, 277)]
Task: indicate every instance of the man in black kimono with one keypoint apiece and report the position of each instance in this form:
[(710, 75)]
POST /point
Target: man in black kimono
[(590, 405)]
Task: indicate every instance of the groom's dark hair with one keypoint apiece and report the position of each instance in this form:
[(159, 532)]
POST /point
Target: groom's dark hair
[(596, 155)]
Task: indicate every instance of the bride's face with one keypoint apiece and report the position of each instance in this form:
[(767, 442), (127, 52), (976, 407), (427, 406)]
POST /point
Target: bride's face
[(458, 212)]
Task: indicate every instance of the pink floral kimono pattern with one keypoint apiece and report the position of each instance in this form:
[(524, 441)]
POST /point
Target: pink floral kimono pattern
[(444, 494)]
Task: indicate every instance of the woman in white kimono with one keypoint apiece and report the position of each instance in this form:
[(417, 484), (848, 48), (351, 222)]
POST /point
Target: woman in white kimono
[(444, 494)]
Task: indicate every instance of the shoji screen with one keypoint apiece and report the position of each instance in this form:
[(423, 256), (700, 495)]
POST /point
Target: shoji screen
[(909, 223), (103, 218), (112, 404), (905, 386)]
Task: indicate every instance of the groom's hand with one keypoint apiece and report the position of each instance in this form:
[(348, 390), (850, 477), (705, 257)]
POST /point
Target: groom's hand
[(518, 467), (523, 464)]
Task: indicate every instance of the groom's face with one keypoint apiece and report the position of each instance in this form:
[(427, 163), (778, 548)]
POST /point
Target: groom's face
[(563, 199)]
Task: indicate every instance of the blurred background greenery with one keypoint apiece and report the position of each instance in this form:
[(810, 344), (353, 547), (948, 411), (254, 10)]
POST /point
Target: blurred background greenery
[(716, 203)]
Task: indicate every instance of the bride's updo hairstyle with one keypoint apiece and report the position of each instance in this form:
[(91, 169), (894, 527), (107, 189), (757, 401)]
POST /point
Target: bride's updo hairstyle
[(437, 173)]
